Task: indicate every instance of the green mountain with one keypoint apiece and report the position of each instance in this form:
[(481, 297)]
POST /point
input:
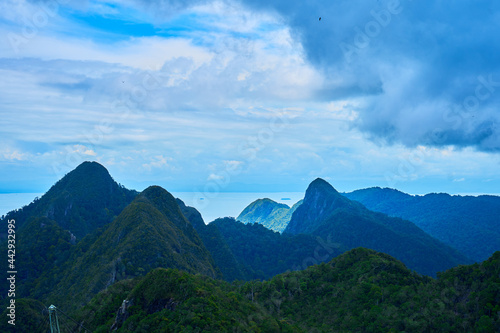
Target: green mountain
[(168, 300), (150, 232), (215, 243), (84, 200), (320, 201), (262, 253), (78, 250), (42, 247), (325, 212), (251, 251), (269, 213), (358, 291), (466, 223)]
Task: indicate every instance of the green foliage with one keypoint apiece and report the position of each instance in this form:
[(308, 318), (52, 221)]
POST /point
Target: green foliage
[(151, 232), (31, 316), (175, 301), (469, 224), (262, 253), (326, 213), (125, 259), (360, 290), (214, 242), (84, 200), (270, 214)]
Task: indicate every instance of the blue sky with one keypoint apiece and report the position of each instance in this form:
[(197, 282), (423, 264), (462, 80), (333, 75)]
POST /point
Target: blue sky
[(218, 96)]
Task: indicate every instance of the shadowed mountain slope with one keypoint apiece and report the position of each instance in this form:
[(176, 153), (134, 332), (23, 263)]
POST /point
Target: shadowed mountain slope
[(360, 290), (468, 224), (215, 244), (325, 211), (151, 232), (84, 200)]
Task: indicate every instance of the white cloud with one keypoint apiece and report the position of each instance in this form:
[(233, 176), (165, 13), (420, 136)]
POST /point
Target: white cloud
[(13, 155), (148, 105), (83, 150), (214, 177), (157, 162)]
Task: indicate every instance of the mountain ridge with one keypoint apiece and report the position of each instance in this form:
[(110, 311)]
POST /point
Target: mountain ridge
[(85, 199), (360, 289), (325, 211), (319, 199), (467, 223), (155, 232), (150, 232)]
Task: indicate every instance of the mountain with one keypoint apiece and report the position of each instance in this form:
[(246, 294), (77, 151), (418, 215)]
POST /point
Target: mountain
[(262, 253), (84, 200), (150, 232), (468, 224), (269, 213), (320, 201), (159, 256), (359, 291), (42, 247), (325, 212), (215, 243), (168, 300)]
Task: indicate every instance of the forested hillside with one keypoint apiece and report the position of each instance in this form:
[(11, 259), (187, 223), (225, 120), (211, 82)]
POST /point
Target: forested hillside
[(326, 213), (270, 214), (359, 291), (178, 274), (83, 201), (468, 224)]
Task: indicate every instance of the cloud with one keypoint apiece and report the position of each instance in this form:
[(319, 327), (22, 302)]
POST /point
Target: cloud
[(214, 177), (425, 72), (83, 150), (157, 162), (425, 68), (176, 99), (418, 64)]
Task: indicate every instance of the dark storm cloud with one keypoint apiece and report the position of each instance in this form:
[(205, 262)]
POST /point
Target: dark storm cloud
[(433, 67), (429, 70)]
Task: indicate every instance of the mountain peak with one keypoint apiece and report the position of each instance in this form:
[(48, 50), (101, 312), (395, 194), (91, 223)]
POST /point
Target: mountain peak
[(157, 192), (322, 185), (91, 166), (86, 175), (86, 171), (318, 181), (83, 200), (269, 213), (166, 204), (320, 201)]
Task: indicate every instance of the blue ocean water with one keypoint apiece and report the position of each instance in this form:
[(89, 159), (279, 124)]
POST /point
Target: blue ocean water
[(211, 207), (226, 204)]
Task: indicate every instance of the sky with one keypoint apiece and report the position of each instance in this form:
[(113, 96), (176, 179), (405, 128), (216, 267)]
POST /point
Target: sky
[(242, 96)]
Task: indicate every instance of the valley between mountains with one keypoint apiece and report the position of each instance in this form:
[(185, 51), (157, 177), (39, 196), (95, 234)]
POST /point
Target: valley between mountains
[(373, 260)]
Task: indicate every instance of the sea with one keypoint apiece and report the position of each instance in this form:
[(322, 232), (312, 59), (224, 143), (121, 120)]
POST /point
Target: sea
[(211, 207)]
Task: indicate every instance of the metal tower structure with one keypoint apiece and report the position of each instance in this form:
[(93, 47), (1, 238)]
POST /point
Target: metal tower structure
[(54, 322)]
